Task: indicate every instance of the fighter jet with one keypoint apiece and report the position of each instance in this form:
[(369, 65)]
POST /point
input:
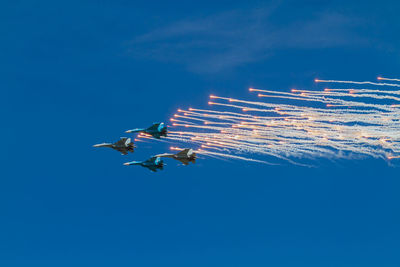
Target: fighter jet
[(153, 163), (185, 156), (156, 130), (124, 145)]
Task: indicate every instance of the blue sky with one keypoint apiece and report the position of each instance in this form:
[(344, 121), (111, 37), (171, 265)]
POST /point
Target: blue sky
[(76, 73)]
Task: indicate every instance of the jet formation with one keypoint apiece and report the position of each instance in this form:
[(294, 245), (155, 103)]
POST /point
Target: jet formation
[(154, 163)]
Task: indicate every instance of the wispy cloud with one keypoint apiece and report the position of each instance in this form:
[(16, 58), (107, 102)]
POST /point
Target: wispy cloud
[(231, 39)]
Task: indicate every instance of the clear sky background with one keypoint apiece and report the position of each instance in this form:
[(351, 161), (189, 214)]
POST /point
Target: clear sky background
[(76, 73)]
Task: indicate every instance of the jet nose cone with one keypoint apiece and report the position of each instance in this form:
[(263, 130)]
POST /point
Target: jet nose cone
[(128, 131), (126, 164)]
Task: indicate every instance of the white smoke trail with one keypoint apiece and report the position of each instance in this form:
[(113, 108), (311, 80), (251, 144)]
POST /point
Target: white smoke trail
[(388, 79), (354, 82), (352, 123)]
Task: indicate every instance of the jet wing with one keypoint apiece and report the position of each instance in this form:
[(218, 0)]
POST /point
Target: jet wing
[(123, 150), (153, 127), (183, 153), (121, 142), (184, 161), (156, 135), (152, 168)]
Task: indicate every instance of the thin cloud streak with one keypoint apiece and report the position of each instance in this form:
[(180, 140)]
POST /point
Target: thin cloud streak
[(235, 38)]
